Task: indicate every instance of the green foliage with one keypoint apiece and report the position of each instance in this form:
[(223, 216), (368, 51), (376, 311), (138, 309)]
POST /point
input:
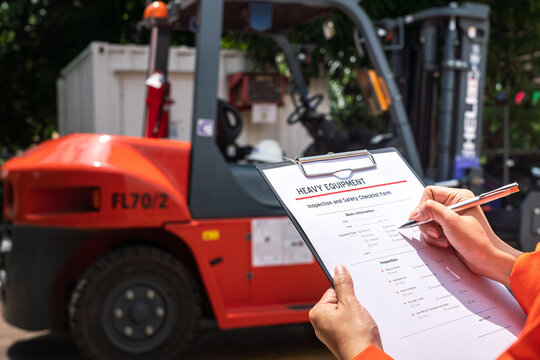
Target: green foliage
[(513, 64), (40, 37), (37, 39)]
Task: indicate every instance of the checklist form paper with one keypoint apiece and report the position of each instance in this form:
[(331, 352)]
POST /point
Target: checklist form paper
[(427, 304)]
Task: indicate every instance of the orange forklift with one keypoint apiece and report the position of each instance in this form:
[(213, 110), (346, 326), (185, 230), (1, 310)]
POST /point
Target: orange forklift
[(131, 241)]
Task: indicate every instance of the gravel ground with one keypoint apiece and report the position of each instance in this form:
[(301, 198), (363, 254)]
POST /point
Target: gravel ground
[(291, 342)]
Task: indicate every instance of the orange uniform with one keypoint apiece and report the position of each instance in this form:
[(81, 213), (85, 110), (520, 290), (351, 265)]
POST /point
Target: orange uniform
[(525, 284)]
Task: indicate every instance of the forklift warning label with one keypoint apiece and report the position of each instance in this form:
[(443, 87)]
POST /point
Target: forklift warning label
[(276, 242), (137, 200), (205, 127)]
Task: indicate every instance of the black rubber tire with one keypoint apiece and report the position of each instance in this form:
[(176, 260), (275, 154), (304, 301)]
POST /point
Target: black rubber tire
[(103, 290)]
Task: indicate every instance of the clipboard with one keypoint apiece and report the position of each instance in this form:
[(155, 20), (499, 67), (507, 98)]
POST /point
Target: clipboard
[(417, 293), (303, 164)]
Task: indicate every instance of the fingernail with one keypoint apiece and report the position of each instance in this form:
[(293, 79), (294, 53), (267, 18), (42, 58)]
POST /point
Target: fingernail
[(441, 242), (420, 215), (340, 269), (433, 233), (414, 213)]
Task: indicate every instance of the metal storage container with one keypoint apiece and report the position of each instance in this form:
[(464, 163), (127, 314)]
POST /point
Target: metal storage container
[(102, 91)]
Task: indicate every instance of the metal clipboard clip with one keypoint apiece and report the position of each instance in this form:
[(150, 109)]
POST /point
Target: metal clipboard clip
[(345, 159)]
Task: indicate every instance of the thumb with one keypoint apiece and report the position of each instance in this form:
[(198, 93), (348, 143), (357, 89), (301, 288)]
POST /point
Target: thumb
[(343, 284), (438, 212)]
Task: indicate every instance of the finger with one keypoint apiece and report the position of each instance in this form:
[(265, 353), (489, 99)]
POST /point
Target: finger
[(329, 297), (440, 194), (426, 195), (438, 212), (343, 284), (439, 242), (446, 195), (432, 229), (317, 311)]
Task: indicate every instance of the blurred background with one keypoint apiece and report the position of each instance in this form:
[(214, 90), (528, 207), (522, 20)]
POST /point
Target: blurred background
[(40, 37), (46, 44)]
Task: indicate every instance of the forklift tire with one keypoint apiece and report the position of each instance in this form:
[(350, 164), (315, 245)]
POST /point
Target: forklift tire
[(135, 303)]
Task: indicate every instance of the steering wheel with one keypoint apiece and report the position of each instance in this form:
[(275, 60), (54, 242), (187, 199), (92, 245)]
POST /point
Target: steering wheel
[(300, 110), (315, 101)]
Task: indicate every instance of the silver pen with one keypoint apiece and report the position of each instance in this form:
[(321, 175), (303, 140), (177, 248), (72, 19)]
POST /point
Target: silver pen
[(472, 202)]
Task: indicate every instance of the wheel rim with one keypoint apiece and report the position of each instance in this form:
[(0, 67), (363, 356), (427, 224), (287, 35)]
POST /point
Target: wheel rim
[(138, 316)]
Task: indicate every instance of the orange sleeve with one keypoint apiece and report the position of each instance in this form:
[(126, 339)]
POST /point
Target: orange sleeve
[(525, 278), (525, 283), (527, 346), (372, 353)]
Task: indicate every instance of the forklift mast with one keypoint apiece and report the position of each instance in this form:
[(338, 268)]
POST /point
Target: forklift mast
[(443, 86)]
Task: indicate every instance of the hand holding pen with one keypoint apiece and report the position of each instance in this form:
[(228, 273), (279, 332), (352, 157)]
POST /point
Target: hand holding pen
[(468, 232), (475, 201)]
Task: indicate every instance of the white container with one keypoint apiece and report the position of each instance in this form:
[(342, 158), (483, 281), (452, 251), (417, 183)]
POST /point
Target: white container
[(102, 91)]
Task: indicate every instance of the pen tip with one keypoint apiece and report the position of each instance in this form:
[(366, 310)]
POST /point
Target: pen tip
[(407, 224)]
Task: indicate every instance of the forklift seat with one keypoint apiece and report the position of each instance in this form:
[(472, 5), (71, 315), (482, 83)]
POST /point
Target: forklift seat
[(229, 127)]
